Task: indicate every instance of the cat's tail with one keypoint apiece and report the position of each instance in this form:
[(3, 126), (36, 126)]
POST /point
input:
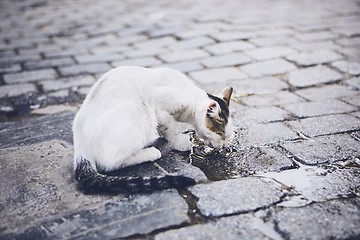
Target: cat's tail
[(93, 182)]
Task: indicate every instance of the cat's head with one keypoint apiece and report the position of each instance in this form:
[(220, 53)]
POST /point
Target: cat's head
[(217, 124)]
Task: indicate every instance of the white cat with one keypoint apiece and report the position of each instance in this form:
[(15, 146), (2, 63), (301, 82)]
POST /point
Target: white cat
[(127, 110)]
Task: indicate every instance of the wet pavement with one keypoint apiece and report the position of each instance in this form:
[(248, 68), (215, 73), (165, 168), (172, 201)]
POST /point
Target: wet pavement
[(295, 67)]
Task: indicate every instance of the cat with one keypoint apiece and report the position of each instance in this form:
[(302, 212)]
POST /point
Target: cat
[(127, 110)]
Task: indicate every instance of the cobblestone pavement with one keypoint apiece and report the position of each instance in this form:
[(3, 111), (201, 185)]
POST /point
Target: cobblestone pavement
[(295, 67)]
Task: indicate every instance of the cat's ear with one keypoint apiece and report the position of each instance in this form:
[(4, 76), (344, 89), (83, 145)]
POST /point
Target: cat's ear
[(226, 95), (213, 109)]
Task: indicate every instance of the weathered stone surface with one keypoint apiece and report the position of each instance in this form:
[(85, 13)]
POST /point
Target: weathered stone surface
[(69, 82), (311, 109), (218, 198), (183, 55), (233, 59), (245, 226), (269, 52), (263, 114), (349, 67), (17, 89), (269, 67), (229, 47), (326, 124), (326, 92), (315, 57), (312, 76), (336, 219), (84, 68), (261, 134), (216, 75), (277, 98), (324, 149), (259, 86), (30, 76), (184, 67), (48, 63)]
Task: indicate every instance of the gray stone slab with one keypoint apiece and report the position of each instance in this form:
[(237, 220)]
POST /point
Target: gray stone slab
[(92, 68), (350, 67), (184, 55), (218, 198), (325, 107), (144, 62), (354, 100), (17, 90), (259, 86), (262, 134), (277, 98), (270, 52), (354, 82), (244, 226), (233, 59), (252, 115), (99, 58), (312, 76), (269, 67), (30, 76), (316, 36), (326, 92), (336, 219), (31, 65), (217, 75), (315, 57), (69, 82), (229, 47), (326, 124), (184, 67), (324, 149)]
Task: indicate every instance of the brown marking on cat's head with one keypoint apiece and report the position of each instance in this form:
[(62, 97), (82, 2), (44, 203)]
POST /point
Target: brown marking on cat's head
[(217, 113)]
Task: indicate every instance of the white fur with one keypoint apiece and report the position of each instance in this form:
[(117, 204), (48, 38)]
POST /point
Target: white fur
[(124, 110)]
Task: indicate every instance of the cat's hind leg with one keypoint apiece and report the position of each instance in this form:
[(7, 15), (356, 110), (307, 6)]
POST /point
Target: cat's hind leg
[(144, 155)]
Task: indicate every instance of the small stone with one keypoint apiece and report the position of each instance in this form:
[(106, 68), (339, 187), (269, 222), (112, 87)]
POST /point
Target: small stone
[(269, 67), (312, 76)]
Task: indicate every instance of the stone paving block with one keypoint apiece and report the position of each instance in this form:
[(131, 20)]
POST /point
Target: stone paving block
[(19, 58), (354, 82), (70, 82), (233, 59), (270, 41), (183, 55), (98, 58), (217, 75), (54, 109), (349, 42), (218, 198), (30, 76), (313, 46), (270, 52), (311, 109), (314, 57), (352, 53), (92, 68), (277, 98), (230, 228), (144, 62), (263, 85), (17, 90), (146, 52), (229, 47), (269, 67), (233, 35), (263, 134), (31, 65), (324, 149), (192, 43), (156, 43), (356, 114), (326, 92), (184, 67), (316, 36), (350, 67), (65, 52), (313, 75), (326, 125), (348, 31), (251, 115), (340, 219), (354, 100), (6, 68)]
